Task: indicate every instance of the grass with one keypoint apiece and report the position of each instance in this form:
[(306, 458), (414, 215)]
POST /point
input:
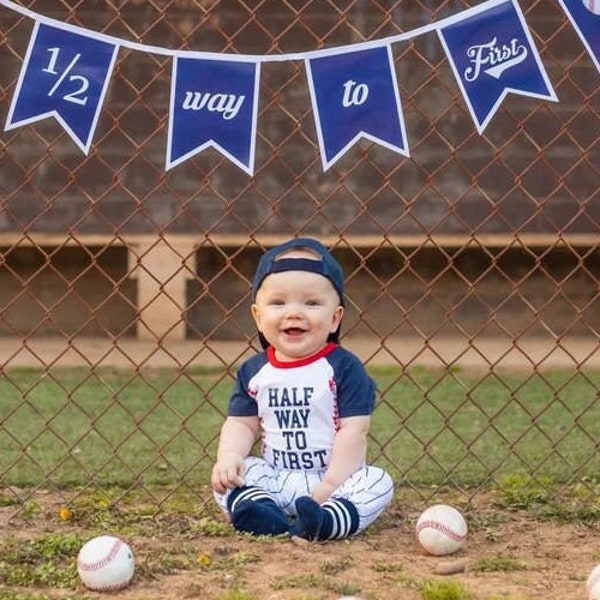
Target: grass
[(319, 582), (445, 590), (498, 563), (72, 426), (46, 561)]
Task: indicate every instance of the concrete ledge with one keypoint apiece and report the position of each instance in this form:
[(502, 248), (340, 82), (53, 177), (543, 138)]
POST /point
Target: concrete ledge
[(440, 352)]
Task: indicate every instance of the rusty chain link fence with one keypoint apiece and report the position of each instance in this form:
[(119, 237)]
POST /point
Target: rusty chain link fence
[(473, 266)]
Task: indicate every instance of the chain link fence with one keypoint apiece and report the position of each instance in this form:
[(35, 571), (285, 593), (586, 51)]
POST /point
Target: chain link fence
[(472, 267)]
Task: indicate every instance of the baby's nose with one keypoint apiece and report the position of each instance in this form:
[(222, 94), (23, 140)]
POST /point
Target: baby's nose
[(293, 310)]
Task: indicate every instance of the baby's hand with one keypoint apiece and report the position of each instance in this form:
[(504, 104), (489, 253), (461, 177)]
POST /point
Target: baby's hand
[(322, 492), (228, 473)]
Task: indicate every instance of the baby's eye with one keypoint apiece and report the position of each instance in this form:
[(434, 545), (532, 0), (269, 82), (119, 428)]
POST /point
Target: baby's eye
[(277, 302), (312, 303)]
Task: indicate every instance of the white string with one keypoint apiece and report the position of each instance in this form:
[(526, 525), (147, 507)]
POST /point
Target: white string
[(253, 57)]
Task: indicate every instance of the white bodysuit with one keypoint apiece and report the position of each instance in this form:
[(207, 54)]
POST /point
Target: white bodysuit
[(300, 405)]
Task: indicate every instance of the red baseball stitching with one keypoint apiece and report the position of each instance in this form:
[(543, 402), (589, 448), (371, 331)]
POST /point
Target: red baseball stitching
[(443, 529), (100, 564), (103, 562)]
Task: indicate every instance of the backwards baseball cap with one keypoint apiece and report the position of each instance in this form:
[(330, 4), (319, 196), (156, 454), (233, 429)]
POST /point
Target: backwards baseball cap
[(325, 265)]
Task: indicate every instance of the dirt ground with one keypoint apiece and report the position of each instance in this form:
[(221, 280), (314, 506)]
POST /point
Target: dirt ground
[(509, 556), (389, 564)]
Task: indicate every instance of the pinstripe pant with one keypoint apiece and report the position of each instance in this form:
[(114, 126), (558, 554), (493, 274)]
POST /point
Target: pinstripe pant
[(370, 488)]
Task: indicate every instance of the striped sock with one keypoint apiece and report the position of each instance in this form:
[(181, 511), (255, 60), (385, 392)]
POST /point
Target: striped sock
[(334, 520), (255, 511), (343, 519), (247, 492)]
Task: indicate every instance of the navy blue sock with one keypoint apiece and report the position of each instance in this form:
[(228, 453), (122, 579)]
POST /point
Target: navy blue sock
[(335, 519), (254, 511), (310, 519)]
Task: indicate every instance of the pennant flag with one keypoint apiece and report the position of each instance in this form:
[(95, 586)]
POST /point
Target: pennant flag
[(585, 17), (213, 103), (492, 53), (65, 75), (354, 95)]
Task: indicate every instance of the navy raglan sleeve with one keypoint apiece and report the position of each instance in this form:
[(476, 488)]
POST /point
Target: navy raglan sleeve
[(355, 389), (241, 403)]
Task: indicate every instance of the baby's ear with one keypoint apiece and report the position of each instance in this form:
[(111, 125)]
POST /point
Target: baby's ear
[(255, 315), (337, 318)]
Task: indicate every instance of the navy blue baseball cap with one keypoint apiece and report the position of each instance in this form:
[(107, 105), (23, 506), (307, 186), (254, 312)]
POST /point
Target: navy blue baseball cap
[(327, 266)]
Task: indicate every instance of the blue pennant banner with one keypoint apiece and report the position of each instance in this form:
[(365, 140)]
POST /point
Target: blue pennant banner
[(213, 103), (492, 53), (64, 75), (355, 95), (585, 17)]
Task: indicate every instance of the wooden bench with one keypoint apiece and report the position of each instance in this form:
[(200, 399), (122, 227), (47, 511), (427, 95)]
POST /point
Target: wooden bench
[(163, 265)]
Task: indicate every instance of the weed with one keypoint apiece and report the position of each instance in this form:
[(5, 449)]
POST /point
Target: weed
[(258, 539), (387, 567), (213, 528), (569, 511), (237, 595), (165, 560), (410, 582), (498, 563), (484, 519), (300, 581), (444, 590), (315, 581), (31, 511), (47, 561), (335, 566), (347, 589), (539, 496), (9, 501), (525, 493), (6, 594), (236, 560)]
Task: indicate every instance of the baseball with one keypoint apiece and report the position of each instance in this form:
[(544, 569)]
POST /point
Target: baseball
[(592, 5), (441, 530), (593, 584), (105, 563)]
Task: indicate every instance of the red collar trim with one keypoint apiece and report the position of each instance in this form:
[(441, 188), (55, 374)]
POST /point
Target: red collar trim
[(291, 364)]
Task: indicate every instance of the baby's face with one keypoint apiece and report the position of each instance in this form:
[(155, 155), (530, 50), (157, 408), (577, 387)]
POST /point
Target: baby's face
[(296, 311)]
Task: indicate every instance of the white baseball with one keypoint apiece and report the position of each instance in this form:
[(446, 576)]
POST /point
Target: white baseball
[(105, 563), (592, 5), (441, 529), (593, 584)]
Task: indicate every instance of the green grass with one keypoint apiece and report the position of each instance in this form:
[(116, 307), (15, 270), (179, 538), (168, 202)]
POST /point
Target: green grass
[(43, 562), (431, 427), (437, 422), (445, 590), (492, 564)]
